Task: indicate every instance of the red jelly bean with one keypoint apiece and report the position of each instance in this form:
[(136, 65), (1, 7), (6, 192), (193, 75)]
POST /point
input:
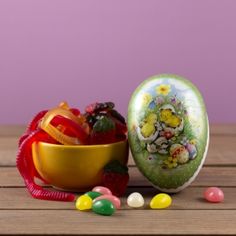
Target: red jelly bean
[(214, 194)]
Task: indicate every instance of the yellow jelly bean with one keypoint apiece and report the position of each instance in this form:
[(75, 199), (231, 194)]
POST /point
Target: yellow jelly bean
[(160, 201), (84, 203)]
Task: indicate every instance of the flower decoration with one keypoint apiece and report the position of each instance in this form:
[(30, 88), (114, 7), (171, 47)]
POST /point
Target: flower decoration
[(159, 100), (146, 99), (171, 162), (152, 105), (184, 141), (161, 129), (193, 141), (163, 89), (173, 100)]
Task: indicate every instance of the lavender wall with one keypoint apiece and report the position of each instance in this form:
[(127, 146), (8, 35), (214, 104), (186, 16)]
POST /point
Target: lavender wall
[(85, 51)]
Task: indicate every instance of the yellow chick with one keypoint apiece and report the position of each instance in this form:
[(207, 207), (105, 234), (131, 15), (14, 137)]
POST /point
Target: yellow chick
[(174, 121), (148, 127), (151, 118), (165, 115), (147, 130), (169, 118)]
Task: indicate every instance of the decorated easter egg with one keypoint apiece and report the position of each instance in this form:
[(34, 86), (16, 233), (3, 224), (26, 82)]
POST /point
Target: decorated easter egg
[(168, 131)]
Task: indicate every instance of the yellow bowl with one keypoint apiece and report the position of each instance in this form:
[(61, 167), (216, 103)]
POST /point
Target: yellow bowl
[(76, 168)]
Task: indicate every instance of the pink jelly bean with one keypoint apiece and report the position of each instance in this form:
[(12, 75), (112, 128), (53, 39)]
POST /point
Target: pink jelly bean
[(115, 200), (102, 190), (214, 194)]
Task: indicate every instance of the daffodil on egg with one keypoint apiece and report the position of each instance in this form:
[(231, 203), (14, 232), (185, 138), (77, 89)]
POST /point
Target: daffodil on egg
[(171, 125)]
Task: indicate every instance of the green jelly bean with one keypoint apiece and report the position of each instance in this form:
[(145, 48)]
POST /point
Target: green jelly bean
[(103, 207), (93, 194)]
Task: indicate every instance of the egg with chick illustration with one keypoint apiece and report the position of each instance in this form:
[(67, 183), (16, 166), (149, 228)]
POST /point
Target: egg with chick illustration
[(165, 126)]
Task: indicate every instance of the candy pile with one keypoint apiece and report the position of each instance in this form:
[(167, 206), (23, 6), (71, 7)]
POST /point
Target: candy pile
[(100, 124), (100, 200)]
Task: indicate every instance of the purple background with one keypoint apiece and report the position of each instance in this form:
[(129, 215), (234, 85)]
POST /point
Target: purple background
[(85, 51)]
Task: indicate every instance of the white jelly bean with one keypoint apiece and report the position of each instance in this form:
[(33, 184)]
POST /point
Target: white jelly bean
[(135, 200)]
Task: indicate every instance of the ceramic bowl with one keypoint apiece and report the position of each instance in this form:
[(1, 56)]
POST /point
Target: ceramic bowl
[(76, 168)]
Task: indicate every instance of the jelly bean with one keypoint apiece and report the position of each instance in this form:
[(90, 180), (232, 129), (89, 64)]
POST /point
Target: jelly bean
[(93, 194), (83, 203), (160, 201), (103, 207), (214, 194), (115, 200), (102, 190), (135, 200)]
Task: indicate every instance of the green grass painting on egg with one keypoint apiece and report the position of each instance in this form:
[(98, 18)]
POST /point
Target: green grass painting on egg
[(168, 131)]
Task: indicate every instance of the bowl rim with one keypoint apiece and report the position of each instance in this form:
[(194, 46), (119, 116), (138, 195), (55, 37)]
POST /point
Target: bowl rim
[(83, 146)]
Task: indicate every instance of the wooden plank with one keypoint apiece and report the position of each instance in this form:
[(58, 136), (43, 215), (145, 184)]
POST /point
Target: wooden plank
[(12, 130), (225, 129), (189, 199), (8, 150), (208, 176), (221, 151), (218, 129), (135, 222)]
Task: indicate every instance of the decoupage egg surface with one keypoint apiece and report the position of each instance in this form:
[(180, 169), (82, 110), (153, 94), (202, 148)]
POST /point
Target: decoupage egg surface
[(168, 131)]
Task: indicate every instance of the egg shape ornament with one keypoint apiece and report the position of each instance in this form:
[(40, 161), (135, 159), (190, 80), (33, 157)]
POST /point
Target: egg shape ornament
[(168, 131)]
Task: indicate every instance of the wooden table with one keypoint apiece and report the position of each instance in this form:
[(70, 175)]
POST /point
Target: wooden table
[(189, 213)]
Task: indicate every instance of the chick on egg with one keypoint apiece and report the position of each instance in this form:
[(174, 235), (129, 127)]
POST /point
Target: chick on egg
[(171, 122), (148, 130), (169, 118), (160, 145)]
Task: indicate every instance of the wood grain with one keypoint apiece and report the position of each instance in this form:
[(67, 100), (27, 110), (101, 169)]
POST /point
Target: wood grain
[(12, 130), (189, 213), (135, 222), (218, 129), (189, 199), (223, 129), (208, 176), (221, 151), (8, 151)]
